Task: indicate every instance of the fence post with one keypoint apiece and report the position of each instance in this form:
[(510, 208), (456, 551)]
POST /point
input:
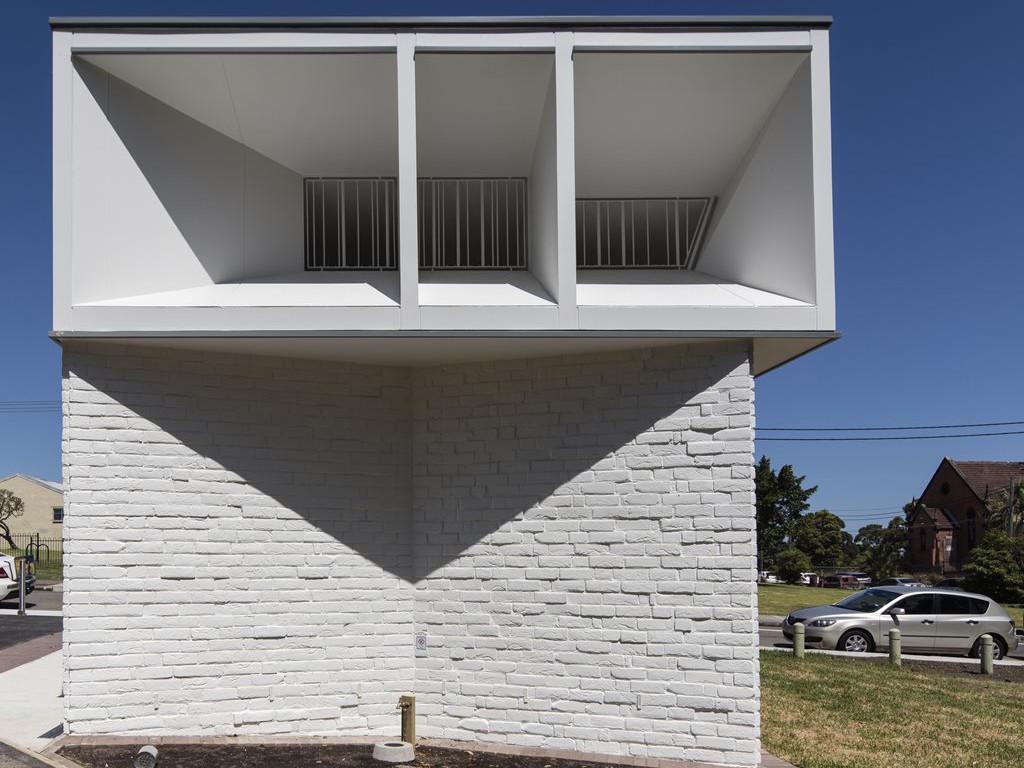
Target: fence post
[(986, 654), (895, 648), (798, 640)]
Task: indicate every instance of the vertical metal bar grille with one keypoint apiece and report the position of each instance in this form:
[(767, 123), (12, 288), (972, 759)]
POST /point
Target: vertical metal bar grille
[(350, 223), (641, 233), (472, 223)]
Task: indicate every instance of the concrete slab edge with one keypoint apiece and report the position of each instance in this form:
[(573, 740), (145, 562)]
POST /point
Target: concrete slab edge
[(41, 759)]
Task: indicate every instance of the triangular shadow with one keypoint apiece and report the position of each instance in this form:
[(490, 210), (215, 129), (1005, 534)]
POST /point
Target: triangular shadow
[(409, 468)]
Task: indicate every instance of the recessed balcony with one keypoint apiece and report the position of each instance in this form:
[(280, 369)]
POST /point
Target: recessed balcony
[(694, 187)]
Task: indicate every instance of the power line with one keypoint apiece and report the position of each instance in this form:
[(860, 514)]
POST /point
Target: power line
[(867, 439), (888, 429)]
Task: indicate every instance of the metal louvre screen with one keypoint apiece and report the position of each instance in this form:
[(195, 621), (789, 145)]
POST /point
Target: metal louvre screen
[(472, 223), (641, 233), (350, 224)]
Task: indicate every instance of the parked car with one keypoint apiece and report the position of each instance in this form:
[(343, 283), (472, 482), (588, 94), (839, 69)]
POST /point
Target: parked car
[(859, 577), (840, 581), (806, 578), (898, 581), (953, 583), (9, 579), (767, 577), (930, 621)]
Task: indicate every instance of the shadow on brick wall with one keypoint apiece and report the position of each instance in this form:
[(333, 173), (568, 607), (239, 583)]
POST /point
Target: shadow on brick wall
[(409, 469)]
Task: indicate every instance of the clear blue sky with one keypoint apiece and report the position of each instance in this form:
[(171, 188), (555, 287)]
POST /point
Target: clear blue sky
[(928, 130)]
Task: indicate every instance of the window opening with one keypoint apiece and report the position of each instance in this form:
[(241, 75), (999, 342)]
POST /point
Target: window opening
[(350, 223), (470, 223), (641, 233)]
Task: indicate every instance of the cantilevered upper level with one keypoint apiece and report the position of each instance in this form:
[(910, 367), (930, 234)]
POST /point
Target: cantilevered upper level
[(552, 183)]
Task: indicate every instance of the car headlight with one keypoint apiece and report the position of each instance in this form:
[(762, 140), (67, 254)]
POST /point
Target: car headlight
[(822, 622)]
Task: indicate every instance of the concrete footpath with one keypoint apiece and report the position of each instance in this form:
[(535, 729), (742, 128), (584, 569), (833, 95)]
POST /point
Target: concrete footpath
[(32, 714)]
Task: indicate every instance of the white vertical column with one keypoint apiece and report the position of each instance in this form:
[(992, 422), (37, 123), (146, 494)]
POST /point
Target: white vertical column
[(821, 159), (565, 142), (408, 255), (62, 201)]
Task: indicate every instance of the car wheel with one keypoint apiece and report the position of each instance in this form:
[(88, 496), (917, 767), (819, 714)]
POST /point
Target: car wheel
[(856, 641), (998, 648)]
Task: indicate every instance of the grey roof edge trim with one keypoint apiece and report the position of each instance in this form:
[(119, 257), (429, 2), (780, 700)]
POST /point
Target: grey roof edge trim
[(824, 336), (441, 22)]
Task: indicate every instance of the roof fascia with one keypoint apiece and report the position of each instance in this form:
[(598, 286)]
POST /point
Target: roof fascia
[(443, 22)]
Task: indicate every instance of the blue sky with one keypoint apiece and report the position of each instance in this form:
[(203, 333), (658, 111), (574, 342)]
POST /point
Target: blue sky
[(928, 157)]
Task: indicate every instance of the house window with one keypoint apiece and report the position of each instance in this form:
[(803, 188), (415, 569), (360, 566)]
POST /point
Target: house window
[(944, 489), (663, 233), (972, 533), (350, 224), (58, 514), (472, 223), (920, 538)]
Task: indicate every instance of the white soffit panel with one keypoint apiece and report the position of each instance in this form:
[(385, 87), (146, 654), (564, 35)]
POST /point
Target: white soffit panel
[(479, 114), (317, 114), (659, 124)]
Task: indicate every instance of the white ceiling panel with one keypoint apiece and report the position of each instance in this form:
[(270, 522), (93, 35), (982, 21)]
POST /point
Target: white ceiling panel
[(317, 114), (670, 124)]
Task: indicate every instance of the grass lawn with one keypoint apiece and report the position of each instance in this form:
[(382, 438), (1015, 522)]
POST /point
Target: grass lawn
[(781, 599), (830, 712)]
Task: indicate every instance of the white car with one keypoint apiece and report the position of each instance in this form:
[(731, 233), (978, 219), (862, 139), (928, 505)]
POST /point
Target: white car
[(9, 579)]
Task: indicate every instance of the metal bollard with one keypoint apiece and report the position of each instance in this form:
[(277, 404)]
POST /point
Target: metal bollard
[(895, 648), (986, 654), (798, 640), (21, 587)]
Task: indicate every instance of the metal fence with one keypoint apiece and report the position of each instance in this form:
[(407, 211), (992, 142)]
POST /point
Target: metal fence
[(45, 549), (472, 223), (664, 233), (350, 224)]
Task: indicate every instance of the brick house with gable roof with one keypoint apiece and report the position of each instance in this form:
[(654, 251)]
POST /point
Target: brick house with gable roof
[(950, 516)]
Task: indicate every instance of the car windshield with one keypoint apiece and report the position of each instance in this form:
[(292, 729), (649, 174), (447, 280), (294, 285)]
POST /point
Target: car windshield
[(868, 600)]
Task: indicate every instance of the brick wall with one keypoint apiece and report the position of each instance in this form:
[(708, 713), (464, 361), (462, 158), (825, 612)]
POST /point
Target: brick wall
[(254, 542), (585, 553), (237, 552)]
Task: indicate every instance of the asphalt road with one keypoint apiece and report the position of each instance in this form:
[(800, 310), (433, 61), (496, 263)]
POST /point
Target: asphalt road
[(39, 600), (772, 637)]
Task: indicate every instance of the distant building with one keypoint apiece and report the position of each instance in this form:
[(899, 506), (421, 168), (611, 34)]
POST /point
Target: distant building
[(949, 519), (44, 506)]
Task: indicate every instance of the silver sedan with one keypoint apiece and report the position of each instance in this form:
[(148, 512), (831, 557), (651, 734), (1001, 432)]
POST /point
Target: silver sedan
[(929, 620)]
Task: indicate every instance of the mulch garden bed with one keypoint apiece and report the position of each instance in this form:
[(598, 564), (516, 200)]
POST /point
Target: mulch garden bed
[(1009, 673), (303, 756)]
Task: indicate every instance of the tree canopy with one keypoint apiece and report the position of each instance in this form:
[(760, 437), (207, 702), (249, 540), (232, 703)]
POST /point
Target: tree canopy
[(11, 506), (883, 547), (781, 500), (823, 538)]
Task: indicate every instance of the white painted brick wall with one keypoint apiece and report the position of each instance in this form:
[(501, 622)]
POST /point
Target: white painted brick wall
[(250, 539), (584, 552), (238, 552)]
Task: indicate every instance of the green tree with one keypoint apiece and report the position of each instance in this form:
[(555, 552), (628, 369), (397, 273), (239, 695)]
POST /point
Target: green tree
[(996, 567), (781, 500), (823, 538), (998, 503), (11, 506), (790, 563), (882, 548)]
